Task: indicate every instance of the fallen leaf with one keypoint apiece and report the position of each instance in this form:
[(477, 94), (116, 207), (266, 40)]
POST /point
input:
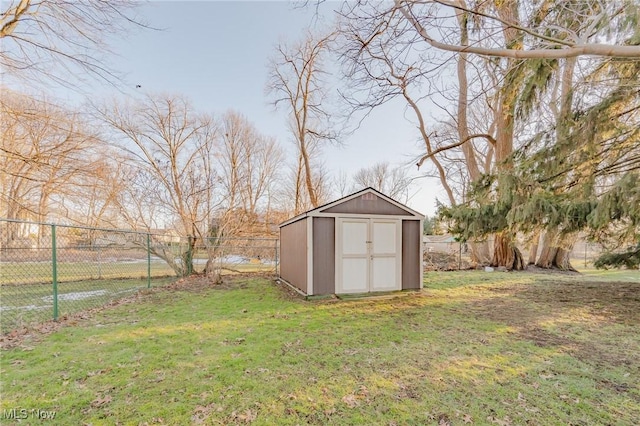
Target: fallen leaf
[(505, 422), (350, 400), (247, 417), (443, 420), (99, 402)]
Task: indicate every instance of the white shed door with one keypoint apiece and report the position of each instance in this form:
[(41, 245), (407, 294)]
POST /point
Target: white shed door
[(355, 255), (385, 261), (368, 255)]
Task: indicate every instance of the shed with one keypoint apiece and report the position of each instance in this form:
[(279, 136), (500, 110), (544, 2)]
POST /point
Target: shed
[(364, 242)]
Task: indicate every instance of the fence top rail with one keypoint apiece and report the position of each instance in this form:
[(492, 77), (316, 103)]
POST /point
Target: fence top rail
[(132, 231), (90, 228)]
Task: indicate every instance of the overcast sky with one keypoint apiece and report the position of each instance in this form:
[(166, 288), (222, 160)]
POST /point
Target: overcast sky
[(216, 54)]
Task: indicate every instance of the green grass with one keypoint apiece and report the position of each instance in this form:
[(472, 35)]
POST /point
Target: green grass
[(26, 304), (612, 274), (472, 347), (26, 288), (41, 272)]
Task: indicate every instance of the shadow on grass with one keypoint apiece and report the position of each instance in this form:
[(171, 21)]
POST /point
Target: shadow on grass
[(593, 321)]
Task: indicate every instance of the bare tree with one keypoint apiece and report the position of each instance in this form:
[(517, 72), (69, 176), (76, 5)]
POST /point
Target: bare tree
[(541, 38), (341, 183), (249, 165), (387, 59), (62, 41), (384, 60), (390, 53), (172, 148), (293, 193), (296, 82), (46, 153), (94, 201), (381, 63), (394, 182)]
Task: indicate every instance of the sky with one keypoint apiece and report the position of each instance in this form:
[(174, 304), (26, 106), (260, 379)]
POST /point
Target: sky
[(216, 53)]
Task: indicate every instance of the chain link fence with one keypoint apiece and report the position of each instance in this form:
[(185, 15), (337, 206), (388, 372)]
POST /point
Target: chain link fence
[(584, 253), (48, 271), (444, 253)]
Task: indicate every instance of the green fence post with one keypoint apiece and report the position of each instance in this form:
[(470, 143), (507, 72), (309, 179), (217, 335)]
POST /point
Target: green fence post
[(54, 271), (148, 260)]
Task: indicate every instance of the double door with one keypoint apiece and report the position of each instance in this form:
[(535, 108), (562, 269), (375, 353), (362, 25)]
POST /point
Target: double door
[(368, 255)]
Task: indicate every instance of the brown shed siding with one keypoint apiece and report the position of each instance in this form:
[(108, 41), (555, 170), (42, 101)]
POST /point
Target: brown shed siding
[(411, 262), (324, 259), (293, 254), (360, 205)]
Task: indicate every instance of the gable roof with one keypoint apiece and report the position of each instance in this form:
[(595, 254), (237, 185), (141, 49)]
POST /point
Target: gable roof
[(369, 190)]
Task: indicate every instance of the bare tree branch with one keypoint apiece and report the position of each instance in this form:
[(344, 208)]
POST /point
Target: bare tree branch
[(63, 41), (572, 49), (422, 159)]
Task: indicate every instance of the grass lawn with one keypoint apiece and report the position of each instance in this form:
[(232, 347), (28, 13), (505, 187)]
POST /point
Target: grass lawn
[(26, 304), (471, 348), (26, 288), (41, 272)]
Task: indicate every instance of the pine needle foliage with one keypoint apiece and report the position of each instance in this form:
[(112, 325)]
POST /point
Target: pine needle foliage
[(629, 259), (583, 178)]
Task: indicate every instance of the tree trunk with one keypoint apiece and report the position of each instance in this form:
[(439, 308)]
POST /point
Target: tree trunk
[(556, 252), (480, 253), (506, 254), (298, 201), (187, 257), (548, 251), (533, 250), (463, 89), (211, 271), (562, 260)]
